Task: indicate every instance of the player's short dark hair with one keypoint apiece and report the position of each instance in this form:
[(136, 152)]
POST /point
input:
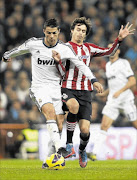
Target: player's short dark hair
[(51, 23), (82, 20)]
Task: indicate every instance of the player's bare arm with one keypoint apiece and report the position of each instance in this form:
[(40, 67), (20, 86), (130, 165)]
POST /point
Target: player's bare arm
[(124, 32), (98, 87), (131, 82)]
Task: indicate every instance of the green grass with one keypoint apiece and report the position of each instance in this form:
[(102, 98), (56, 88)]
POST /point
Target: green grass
[(99, 170)]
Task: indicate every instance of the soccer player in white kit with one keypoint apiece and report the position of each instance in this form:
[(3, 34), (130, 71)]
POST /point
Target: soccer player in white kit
[(45, 86), (120, 97)]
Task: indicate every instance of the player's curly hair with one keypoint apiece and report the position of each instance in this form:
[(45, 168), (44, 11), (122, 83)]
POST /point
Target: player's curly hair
[(51, 23), (82, 20)]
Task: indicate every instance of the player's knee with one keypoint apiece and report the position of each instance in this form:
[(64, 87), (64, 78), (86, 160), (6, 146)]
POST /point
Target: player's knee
[(49, 113), (73, 107), (84, 130)]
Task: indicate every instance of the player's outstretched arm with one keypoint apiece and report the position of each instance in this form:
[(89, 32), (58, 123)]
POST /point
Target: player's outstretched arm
[(124, 32), (79, 64)]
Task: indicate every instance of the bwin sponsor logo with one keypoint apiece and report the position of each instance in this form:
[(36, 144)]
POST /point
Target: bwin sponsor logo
[(46, 62)]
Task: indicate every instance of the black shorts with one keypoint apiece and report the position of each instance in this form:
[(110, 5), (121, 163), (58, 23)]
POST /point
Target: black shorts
[(84, 99)]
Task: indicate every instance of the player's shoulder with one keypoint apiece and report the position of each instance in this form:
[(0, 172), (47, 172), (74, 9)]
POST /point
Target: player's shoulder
[(89, 44), (65, 45), (34, 40), (123, 61)]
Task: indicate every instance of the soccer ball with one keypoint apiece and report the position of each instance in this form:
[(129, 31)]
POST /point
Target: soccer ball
[(55, 161)]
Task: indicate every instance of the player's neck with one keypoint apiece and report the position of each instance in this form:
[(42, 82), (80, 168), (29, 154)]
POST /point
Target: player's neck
[(114, 59), (48, 44), (76, 41)]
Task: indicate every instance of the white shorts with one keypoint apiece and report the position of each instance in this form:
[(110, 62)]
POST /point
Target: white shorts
[(111, 110), (48, 93)]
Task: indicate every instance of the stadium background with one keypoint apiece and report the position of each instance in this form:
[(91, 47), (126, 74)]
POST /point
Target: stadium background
[(23, 19)]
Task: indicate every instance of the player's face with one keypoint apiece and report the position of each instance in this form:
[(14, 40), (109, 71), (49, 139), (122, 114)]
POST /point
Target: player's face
[(51, 36), (79, 33)]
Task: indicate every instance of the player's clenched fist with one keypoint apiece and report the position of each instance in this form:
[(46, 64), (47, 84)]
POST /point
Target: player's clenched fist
[(98, 87)]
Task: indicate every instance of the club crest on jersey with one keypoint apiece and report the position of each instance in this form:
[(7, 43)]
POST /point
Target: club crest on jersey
[(83, 57), (46, 62), (65, 96)]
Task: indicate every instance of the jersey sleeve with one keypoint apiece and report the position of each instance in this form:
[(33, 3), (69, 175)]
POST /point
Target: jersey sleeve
[(126, 70), (71, 55), (61, 68), (20, 50), (97, 51)]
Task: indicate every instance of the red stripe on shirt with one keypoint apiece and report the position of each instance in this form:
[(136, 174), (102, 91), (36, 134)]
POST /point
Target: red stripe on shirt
[(83, 76), (76, 70)]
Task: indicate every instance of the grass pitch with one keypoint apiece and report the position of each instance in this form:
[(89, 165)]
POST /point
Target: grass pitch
[(15, 169)]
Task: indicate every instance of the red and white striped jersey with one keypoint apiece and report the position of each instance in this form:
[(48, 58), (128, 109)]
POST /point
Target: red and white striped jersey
[(73, 78)]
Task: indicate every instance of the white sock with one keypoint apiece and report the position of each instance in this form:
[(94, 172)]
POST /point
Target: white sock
[(54, 133), (51, 148), (99, 141)]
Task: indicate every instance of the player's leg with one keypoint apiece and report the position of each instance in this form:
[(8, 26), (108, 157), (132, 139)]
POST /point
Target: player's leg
[(130, 111), (110, 113), (50, 106), (70, 125), (101, 137), (84, 126), (49, 113), (72, 104), (60, 120), (57, 102)]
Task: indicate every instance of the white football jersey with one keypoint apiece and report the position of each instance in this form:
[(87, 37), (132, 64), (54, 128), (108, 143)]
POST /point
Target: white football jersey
[(44, 68), (117, 74)]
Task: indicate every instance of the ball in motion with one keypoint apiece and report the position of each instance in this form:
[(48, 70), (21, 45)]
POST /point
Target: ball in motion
[(55, 161)]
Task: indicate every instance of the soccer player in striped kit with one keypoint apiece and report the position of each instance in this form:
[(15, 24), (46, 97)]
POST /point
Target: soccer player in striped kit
[(76, 88)]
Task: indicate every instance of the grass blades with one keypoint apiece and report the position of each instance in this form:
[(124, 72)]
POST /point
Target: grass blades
[(16, 169)]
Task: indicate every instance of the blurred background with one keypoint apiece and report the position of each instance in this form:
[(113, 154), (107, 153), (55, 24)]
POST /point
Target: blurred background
[(23, 19)]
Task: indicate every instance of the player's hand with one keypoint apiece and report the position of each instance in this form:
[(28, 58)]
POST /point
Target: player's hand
[(56, 56), (98, 87), (124, 32), (116, 94), (6, 60)]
